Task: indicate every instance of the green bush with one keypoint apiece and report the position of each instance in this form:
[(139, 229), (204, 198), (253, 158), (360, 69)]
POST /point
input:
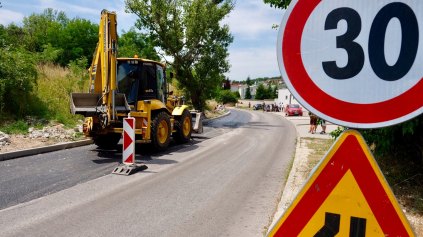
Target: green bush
[(18, 127), (226, 96), (18, 78)]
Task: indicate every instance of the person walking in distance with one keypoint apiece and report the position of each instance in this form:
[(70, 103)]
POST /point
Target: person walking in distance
[(313, 120), (323, 127), (263, 106), (249, 105)]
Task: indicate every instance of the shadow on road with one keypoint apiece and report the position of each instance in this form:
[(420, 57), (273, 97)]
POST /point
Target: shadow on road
[(145, 152)]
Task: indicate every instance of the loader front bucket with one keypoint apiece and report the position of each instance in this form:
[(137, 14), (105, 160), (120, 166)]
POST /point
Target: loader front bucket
[(197, 122), (89, 104), (85, 103)]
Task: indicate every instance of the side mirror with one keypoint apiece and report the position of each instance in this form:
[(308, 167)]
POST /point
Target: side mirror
[(170, 92)]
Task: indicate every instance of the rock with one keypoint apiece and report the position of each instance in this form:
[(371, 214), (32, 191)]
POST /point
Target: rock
[(76, 129), (4, 137), (31, 129), (46, 135), (36, 133)]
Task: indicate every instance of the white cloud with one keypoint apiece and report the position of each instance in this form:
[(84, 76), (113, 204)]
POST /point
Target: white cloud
[(251, 19), (66, 7), (256, 62), (7, 17)]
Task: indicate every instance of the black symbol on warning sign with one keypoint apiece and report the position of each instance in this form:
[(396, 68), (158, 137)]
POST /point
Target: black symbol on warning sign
[(332, 223)]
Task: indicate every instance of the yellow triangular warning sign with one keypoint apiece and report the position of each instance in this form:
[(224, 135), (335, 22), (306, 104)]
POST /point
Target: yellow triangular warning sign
[(346, 195)]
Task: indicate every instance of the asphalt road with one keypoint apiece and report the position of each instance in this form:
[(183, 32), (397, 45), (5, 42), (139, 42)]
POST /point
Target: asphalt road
[(225, 182)]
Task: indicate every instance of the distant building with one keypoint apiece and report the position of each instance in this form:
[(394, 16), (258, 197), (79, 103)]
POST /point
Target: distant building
[(279, 81), (242, 88), (286, 97)]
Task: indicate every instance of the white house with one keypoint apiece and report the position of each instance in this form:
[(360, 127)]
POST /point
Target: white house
[(286, 97), (242, 88)]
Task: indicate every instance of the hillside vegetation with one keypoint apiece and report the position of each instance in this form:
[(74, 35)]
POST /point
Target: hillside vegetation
[(45, 60)]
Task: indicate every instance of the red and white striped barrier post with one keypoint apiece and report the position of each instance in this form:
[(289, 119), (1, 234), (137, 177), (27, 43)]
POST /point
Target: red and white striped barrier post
[(128, 165), (128, 154)]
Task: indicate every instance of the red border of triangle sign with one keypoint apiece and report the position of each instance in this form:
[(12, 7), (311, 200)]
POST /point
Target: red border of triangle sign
[(371, 198)]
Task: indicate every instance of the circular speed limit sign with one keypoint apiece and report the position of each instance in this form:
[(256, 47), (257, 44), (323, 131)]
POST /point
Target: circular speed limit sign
[(355, 63)]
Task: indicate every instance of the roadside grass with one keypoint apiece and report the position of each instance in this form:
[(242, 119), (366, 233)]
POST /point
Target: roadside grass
[(319, 148), (243, 107), (291, 163), (408, 190), (211, 104), (55, 84), (214, 113)]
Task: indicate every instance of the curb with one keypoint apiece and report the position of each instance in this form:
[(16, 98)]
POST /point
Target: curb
[(44, 149), (289, 182), (205, 121)]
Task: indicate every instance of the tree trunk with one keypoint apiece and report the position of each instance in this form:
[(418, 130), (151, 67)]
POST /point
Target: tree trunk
[(196, 101)]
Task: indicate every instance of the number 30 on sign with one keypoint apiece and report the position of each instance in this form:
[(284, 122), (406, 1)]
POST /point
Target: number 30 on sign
[(355, 63)]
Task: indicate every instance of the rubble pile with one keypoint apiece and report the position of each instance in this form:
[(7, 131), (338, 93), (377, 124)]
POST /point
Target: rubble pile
[(56, 131), (4, 139)]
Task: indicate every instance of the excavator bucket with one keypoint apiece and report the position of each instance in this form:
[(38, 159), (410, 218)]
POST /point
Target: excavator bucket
[(197, 121)]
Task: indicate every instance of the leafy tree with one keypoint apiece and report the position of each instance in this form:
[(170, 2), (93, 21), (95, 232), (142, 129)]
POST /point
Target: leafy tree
[(275, 92), (248, 90), (74, 38), (248, 81), (260, 93), (189, 31), (18, 77), (248, 93), (226, 84), (36, 27), (227, 96), (269, 92), (132, 43), (77, 38), (49, 54), (282, 4), (237, 95), (15, 36)]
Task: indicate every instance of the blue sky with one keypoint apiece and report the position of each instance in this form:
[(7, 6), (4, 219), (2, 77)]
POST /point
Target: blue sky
[(253, 52)]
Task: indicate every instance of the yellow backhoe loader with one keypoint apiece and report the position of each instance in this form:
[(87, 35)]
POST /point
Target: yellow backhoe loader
[(135, 87)]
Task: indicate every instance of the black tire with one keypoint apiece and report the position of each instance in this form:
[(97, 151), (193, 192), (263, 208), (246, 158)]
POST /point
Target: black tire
[(160, 141), (108, 141), (180, 136)]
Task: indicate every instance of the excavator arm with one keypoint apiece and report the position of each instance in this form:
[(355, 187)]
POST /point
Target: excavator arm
[(102, 100)]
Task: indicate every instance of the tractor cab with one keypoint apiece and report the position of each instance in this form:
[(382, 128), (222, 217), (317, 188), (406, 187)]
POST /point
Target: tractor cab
[(141, 80)]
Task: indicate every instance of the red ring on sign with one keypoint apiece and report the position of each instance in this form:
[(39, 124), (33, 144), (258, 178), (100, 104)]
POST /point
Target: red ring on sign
[(392, 109)]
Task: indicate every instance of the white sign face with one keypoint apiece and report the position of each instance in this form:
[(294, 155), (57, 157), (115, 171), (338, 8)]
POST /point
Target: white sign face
[(355, 63)]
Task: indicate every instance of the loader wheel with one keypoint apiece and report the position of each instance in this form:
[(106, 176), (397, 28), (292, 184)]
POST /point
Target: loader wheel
[(108, 141), (160, 131), (183, 127)]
